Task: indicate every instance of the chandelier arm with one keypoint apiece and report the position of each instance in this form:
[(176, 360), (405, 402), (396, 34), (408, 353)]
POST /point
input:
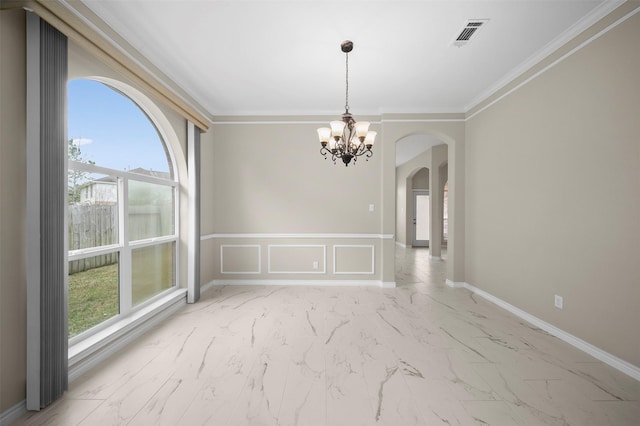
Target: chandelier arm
[(324, 151), (363, 150)]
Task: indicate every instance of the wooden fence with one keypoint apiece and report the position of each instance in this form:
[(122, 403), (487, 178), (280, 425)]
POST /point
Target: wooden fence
[(92, 226)]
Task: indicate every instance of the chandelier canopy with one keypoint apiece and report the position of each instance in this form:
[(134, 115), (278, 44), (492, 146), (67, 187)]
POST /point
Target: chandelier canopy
[(346, 138)]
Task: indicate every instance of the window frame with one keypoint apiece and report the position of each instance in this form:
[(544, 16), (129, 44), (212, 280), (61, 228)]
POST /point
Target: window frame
[(124, 247)]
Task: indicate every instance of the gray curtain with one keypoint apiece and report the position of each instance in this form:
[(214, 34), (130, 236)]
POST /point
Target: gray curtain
[(47, 338), (193, 164)]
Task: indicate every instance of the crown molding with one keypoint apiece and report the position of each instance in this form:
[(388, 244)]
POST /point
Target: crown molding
[(571, 33), (81, 25)]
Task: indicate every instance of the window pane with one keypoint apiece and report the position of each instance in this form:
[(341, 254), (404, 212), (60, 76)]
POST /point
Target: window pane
[(151, 211), (93, 210), (113, 131), (93, 292), (153, 271)]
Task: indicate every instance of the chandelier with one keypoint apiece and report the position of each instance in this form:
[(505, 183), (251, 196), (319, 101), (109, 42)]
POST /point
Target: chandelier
[(346, 139)]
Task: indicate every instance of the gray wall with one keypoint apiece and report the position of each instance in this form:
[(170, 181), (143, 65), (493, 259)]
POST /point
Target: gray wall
[(266, 177), (553, 194), (12, 209), (421, 179)]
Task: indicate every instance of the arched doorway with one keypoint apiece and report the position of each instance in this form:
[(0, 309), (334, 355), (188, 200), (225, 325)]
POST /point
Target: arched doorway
[(449, 131), (419, 191)]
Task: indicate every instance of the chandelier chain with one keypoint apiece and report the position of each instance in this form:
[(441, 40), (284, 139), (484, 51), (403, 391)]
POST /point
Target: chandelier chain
[(346, 102)]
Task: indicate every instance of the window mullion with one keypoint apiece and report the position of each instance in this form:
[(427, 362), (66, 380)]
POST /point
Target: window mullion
[(92, 251), (176, 221), (92, 168), (153, 241), (125, 254)]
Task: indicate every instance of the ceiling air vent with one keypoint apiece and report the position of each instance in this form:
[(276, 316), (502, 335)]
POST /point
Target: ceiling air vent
[(471, 29)]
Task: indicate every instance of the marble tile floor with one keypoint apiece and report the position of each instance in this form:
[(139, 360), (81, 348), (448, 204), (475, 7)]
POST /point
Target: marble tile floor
[(419, 354)]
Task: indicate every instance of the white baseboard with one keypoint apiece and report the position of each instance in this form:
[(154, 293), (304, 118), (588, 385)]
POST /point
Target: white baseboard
[(455, 284), (401, 245), (326, 283), (604, 356), (14, 413), (435, 257), (208, 286)]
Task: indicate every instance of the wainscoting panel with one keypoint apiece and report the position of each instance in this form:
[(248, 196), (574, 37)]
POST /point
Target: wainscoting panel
[(240, 259), (294, 259), (354, 259), (297, 259)]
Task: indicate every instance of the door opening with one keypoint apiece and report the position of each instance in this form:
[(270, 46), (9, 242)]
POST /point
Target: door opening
[(420, 219)]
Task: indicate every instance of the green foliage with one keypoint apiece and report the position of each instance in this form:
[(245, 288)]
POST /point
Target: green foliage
[(75, 178)]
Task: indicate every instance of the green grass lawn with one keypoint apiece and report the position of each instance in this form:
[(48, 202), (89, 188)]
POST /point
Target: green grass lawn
[(93, 298)]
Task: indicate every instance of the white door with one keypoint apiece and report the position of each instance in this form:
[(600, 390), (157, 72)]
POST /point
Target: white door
[(420, 219)]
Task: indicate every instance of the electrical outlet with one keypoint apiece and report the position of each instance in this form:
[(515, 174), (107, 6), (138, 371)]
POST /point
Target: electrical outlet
[(558, 301), (371, 207), (315, 264)]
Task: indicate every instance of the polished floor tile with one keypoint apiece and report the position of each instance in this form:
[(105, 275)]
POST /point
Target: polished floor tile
[(419, 354)]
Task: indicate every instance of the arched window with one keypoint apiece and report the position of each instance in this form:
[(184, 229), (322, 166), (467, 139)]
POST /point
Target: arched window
[(122, 208)]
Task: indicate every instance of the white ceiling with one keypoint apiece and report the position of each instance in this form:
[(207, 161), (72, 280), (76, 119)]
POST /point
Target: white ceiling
[(283, 57)]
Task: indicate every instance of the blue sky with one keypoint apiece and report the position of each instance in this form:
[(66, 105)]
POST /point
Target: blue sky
[(111, 130)]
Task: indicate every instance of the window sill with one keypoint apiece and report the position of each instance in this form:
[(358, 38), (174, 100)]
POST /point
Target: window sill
[(89, 352)]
